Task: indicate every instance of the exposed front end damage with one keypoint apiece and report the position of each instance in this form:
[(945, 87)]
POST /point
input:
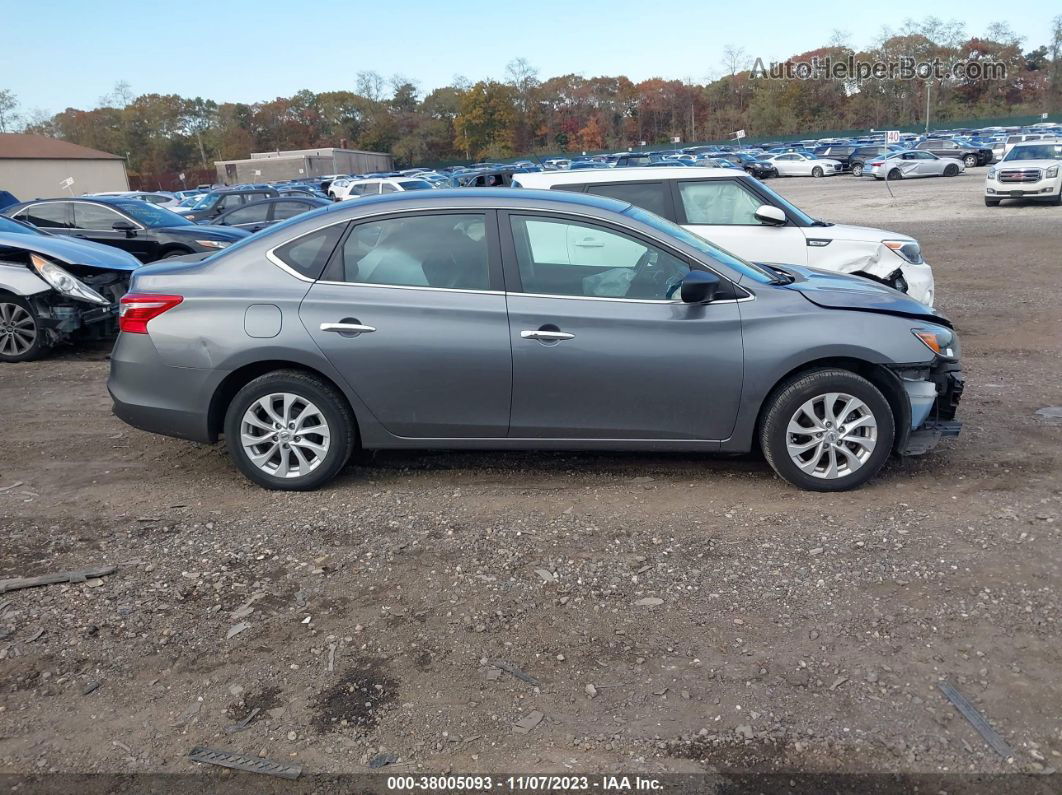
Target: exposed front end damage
[(63, 318), (896, 263), (933, 393)]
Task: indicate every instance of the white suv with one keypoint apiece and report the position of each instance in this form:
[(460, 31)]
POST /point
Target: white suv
[(747, 218), (357, 188), (1030, 170)]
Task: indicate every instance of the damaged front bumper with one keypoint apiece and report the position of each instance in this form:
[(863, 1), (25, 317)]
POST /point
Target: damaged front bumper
[(933, 395)]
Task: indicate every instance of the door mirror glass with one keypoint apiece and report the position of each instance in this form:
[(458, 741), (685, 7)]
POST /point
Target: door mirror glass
[(699, 287), (770, 215), (123, 226)]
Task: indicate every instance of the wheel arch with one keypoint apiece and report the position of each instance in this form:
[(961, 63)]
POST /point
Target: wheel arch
[(235, 381), (880, 376)]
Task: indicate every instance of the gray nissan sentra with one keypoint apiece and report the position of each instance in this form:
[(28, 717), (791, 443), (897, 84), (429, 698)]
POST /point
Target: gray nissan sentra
[(521, 319)]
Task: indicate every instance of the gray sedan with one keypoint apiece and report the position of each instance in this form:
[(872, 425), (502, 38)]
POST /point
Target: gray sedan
[(521, 319)]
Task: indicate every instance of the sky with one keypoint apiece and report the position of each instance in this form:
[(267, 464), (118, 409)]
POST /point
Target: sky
[(69, 53)]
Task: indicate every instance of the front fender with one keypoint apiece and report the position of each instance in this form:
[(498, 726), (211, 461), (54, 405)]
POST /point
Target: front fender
[(20, 280)]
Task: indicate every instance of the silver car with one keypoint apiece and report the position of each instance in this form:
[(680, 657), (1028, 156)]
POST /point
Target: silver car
[(913, 164), (521, 319)]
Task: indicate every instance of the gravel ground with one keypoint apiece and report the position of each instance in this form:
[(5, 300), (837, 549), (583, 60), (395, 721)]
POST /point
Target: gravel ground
[(661, 612)]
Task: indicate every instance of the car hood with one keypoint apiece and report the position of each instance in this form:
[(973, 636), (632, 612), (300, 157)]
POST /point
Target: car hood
[(206, 231), (1028, 164), (846, 232), (842, 291), (73, 252)]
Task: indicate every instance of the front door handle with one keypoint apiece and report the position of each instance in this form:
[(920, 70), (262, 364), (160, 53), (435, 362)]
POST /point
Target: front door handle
[(348, 328), (546, 336)]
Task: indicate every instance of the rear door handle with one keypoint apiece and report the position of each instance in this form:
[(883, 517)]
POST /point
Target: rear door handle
[(546, 336), (348, 328)]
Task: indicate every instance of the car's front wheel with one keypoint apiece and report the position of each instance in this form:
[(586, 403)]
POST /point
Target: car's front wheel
[(970, 161), (289, 430), (21, 337), (827, 430), (857, 169), (817, 171), (991, 202), (951, 170)]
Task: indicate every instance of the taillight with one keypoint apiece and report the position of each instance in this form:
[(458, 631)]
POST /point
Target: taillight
[(136, 309)]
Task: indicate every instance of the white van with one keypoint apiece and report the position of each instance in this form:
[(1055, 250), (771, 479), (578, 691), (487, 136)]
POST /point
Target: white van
[(744, 216)]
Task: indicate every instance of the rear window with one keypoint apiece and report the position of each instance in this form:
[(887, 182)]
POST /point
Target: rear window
[(308, 255), (650, 195)]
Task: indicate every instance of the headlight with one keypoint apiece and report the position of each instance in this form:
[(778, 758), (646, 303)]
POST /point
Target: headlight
[(992, 173), (938, 339), (213, 243), (1052, 172), (907, 249), (64, 283)]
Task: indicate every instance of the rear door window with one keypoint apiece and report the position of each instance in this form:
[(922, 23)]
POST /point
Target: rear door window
[(651, 196), (53, 215)]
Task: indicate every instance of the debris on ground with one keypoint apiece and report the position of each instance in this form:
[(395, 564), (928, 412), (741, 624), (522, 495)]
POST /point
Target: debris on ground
[(976, 719), (383, 760), (251, 764), (528, 722), (240, 725), (512, 669), (76, 576)]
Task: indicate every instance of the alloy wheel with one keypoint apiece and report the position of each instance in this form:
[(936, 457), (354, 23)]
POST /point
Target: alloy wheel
[(832, 435), (284, 435), (18, 330)]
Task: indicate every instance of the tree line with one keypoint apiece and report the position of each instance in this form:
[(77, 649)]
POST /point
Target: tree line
[(522, 114)]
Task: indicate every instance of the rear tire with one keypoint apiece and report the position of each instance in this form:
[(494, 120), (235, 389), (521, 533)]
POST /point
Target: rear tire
[(951, 170), (285, 460), (895, 174), (817, 171), (827, 430), (991, 202), (21, 337)]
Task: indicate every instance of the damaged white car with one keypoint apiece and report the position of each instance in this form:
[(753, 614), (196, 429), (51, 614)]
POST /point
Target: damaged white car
[(739, 213), (53, 289)]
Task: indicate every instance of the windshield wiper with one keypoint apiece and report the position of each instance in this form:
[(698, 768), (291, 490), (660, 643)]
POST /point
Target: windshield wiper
[(782, 277), (817, 222)]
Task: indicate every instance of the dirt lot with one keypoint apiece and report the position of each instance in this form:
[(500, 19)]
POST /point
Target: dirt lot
[(784, 630)]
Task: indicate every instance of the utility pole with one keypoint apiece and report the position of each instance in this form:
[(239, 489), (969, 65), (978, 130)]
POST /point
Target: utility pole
[(929, 89)]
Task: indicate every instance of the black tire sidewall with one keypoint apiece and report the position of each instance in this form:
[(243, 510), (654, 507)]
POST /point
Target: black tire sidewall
[(857, 170), (333, 406), (40, 347), (817, 171), (951, 170), (788, 397)]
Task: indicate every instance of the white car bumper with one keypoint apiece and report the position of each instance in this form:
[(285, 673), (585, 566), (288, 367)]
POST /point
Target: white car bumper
[(1044, 188)]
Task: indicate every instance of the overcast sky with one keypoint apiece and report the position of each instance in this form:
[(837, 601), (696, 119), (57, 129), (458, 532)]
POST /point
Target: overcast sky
[(68, 53)]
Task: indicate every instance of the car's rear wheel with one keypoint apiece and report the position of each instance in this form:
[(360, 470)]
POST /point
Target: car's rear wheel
[(827, 430), (951, 170), (288, 430), (970, 161), (817, 171), (857, 169), (21, 337), (895, 174), (991, 202)]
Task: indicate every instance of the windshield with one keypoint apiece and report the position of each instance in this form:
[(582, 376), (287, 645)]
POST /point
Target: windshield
[(17, 227), (1037, 152), (414, 184), (151, 216), (754, 272)]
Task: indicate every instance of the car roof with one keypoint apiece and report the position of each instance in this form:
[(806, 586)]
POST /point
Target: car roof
[(638, 174)]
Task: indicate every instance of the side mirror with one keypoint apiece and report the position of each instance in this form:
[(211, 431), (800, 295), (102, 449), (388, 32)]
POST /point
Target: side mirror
[(699, 287), (124, 226), (769, 215)]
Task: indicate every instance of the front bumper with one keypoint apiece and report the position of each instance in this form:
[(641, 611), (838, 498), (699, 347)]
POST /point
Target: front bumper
[(934, 394), (920, 283), (1046, 188)]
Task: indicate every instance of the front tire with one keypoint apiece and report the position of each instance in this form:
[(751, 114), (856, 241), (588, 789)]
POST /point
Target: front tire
[(817, 171), (951, 170), (970, 161), (22, 339), (991, 202), (289, 431), (827, 430), (857, 169)]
